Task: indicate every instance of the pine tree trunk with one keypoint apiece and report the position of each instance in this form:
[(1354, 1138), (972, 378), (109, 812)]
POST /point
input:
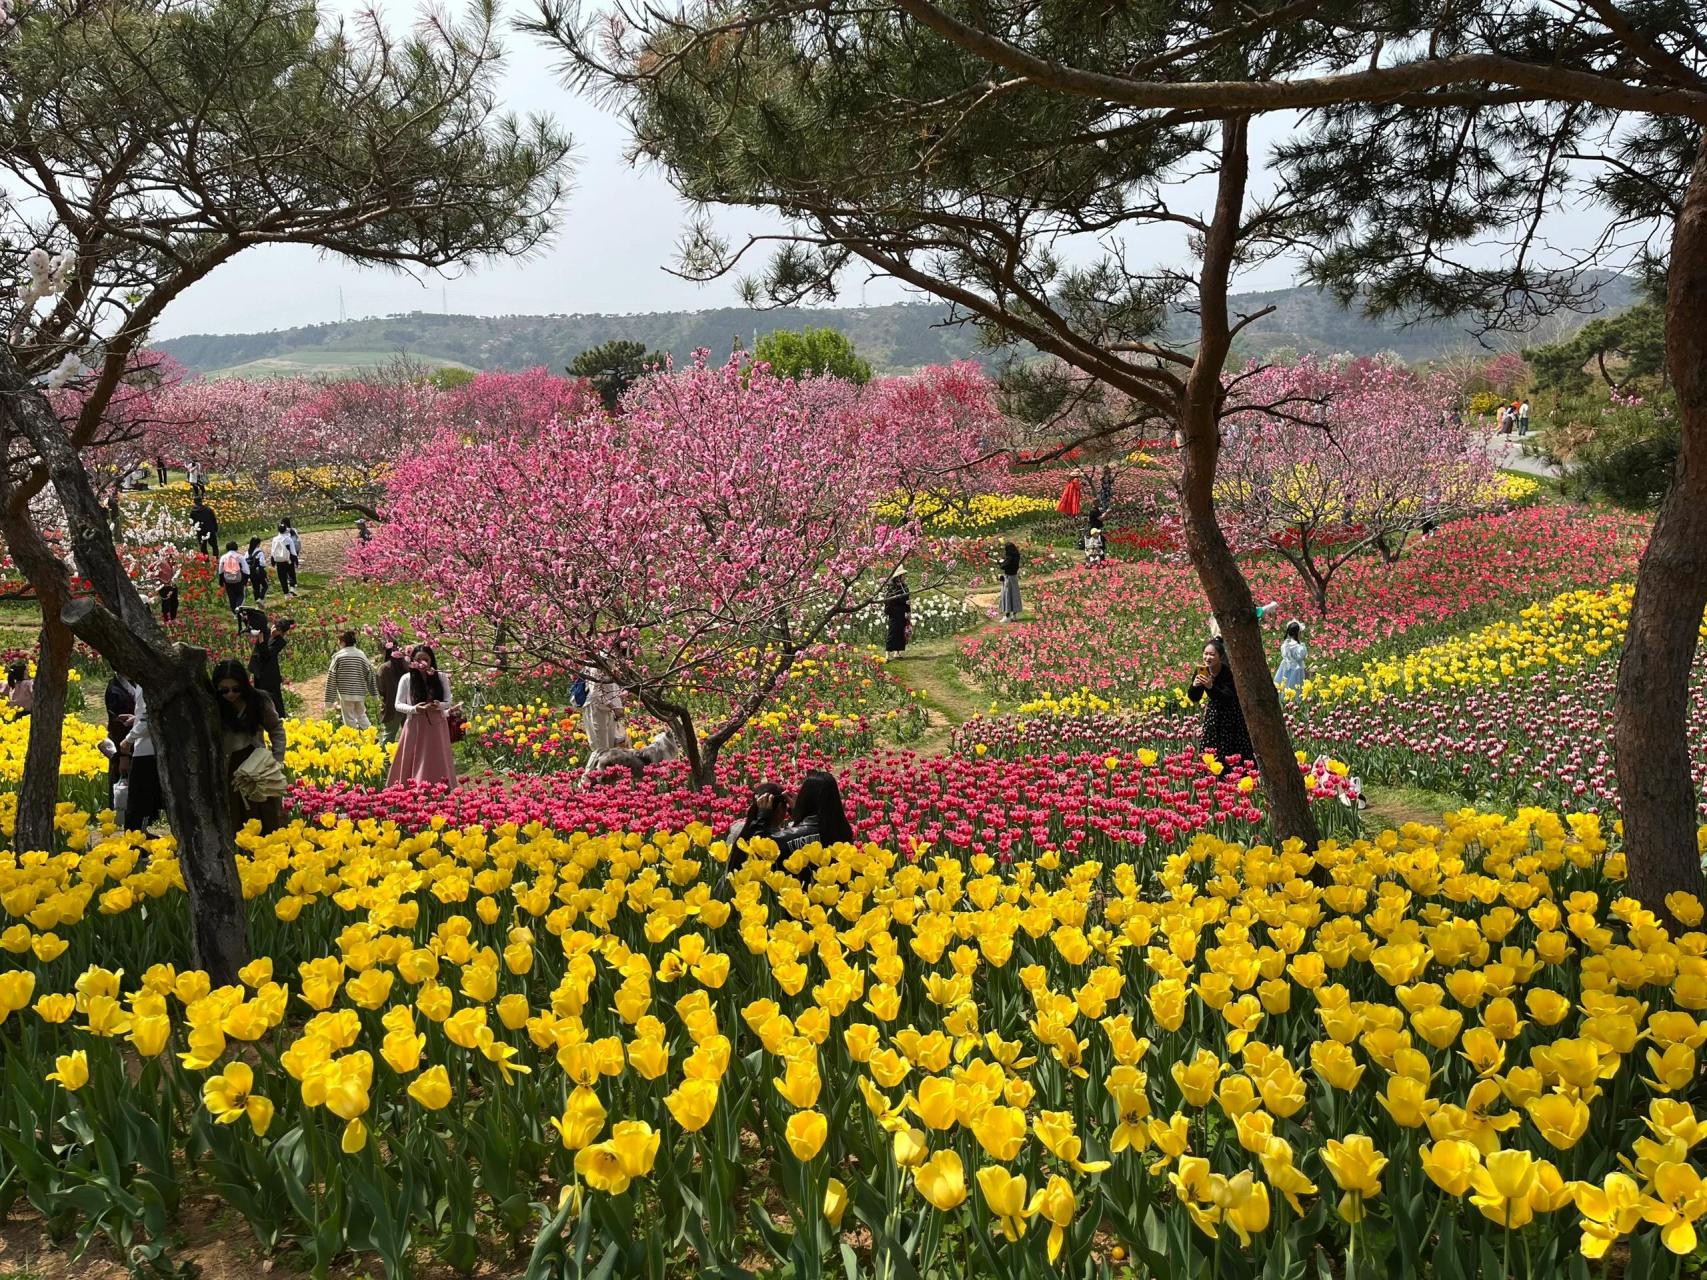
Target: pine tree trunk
[(38, 791), (193, 785), (1217, 569), (1235, 609), (1656, 791)]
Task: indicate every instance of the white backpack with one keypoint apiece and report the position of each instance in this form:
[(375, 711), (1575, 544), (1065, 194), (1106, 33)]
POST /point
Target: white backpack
[(231, 567)]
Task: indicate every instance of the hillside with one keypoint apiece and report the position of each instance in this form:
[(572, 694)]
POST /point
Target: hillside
[(894, 338)]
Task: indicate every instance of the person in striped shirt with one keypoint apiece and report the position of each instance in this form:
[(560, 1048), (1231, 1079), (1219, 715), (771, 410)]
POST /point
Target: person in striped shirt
[(350, 681)]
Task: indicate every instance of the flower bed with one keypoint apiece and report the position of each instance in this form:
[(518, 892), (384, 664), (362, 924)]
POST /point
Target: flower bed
[(1127, 631), (1205, 1060), (1084, 805)]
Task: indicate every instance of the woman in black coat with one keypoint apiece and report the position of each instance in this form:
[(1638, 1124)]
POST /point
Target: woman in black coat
[(1010, 603), (1224, 729), (898, 611), (265, 672)]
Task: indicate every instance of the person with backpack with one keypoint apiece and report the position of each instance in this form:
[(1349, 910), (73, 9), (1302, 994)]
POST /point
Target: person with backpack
[(284, 558), (233, 574), (258, 569), (295, 552)]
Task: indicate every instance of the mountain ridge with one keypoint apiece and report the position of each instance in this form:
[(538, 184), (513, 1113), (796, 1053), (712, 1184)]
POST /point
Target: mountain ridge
[(895, 337)]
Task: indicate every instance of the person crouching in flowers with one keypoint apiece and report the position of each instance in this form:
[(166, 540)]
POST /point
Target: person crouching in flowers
[(423, 749), (1289, 676), (251, 723), (1224, 731), (765, 814), (817, 817)]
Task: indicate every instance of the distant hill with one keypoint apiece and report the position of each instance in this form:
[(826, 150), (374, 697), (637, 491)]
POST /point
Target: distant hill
[(894, 338)]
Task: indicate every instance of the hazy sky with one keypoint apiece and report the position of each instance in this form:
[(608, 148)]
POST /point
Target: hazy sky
[(618, 232)]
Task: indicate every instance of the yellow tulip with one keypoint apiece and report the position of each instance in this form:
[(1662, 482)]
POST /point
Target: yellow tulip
[(1560, 1120), (1450, 1164), (835, 1202), (805, 1133), (910, 1147), (942, 1180), (582, 1119), (432, 1088), (1004, 1193), (71, 1071), (692, 1103), (1356, 1166), (1000, 1130), (1057, 1204)]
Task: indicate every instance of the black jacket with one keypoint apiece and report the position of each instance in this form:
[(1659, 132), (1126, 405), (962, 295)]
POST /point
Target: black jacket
[(264, 670), (1010, 560)]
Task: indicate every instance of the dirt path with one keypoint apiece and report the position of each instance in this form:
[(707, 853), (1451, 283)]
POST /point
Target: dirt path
[(323, 550), (951, 695)]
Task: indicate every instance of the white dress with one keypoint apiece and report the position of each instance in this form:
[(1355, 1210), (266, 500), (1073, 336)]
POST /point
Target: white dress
[(1290, 675), (602, 716)]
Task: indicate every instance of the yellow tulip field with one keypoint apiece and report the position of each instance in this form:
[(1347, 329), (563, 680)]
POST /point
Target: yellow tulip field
[(597, 1056)]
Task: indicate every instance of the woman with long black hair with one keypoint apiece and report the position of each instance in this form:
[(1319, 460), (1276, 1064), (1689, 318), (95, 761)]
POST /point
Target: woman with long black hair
[(1011, 604), (251, 722), (1224, 729), (423, 749), (817, 815)]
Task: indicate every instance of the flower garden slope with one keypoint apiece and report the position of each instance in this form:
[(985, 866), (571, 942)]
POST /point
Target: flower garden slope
[(1467, 1043)]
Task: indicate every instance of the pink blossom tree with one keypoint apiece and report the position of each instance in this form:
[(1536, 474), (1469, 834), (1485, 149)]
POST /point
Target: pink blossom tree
[(232, 426), (500, 402), (1324, 461), (343, 438), (689, 548)]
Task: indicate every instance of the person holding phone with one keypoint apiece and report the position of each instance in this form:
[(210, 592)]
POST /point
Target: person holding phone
[(423, 749), (1224, 730)]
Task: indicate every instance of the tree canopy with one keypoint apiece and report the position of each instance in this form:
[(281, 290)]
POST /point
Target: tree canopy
[(808, 352), (613, 367), (145, 143)]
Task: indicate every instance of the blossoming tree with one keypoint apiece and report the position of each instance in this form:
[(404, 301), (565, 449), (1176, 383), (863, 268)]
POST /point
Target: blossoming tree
[(1323, 461), (689, 548), (385, 149)]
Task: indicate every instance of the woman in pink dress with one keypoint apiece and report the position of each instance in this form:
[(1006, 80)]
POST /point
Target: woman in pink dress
[(423, 697)]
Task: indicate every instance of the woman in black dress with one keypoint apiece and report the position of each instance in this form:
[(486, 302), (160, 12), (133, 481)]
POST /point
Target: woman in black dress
[(898, 611), (1224, 730)]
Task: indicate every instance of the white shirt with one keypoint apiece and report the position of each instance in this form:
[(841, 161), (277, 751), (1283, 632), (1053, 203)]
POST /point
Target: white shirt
[(139, 739), (404, 695)]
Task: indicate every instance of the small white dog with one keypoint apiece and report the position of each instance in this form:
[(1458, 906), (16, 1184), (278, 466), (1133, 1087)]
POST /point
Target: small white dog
[(660, 749)]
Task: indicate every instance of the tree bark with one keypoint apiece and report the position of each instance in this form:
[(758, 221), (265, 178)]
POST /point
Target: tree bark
[(1650, 735), (38, 790), (1217, 568), (185, 721)]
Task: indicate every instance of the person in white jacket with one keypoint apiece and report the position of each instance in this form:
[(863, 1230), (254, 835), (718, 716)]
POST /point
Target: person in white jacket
[(142, 771), (603, 716)]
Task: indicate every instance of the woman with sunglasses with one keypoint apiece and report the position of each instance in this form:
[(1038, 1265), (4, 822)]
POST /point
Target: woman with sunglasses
[(423, 748), (250, 721)]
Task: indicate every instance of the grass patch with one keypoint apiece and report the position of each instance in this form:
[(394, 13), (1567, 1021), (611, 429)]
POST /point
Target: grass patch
[(1395, 806)]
